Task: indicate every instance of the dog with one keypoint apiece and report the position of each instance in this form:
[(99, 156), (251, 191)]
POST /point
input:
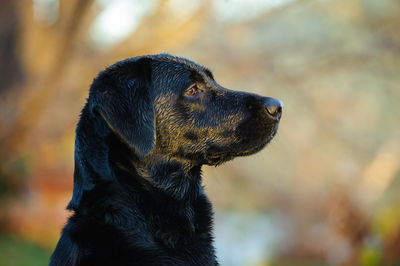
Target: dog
[(148, 126)]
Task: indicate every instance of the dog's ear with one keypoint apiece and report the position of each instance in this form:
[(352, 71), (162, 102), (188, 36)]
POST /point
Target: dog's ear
[(124, 97)]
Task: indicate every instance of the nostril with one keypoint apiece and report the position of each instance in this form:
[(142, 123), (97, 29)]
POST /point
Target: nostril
[(274, 107)]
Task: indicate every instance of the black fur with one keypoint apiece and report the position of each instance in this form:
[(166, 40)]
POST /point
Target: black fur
[(140, 144)]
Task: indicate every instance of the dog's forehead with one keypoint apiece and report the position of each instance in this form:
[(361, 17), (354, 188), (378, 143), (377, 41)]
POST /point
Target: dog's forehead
[(183, 61)]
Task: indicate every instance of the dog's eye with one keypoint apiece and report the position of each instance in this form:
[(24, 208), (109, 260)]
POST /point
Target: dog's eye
[(192, 90)]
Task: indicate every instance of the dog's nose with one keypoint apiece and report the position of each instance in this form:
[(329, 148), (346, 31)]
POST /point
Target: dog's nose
[(273, 107)]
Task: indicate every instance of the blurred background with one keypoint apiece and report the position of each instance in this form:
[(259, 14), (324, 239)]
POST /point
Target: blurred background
[(325, 191)]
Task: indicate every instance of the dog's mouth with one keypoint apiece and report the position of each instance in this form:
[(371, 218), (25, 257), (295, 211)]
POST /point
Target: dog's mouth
[(217, 155)]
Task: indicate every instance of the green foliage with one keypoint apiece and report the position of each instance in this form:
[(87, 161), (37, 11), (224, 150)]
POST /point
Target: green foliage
[(15, 251), (371, 257)]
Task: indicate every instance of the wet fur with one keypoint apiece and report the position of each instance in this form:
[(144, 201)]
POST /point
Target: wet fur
[(140, 144)]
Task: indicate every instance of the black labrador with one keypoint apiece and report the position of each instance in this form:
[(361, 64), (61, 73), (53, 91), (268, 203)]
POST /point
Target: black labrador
[(148, 126)]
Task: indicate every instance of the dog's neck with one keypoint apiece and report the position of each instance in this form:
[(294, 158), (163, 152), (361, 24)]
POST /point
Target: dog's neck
[(102, 154), (179, 180)]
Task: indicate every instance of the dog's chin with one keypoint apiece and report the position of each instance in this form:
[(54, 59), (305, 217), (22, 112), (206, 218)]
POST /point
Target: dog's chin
[(220, 157)]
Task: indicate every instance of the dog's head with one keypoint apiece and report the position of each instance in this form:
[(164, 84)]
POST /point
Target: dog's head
[(157, 109), (173, 107)]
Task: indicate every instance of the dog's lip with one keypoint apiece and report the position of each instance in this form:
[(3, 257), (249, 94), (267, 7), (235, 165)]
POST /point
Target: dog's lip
[(220, 157), (266, 140), (275, 130)]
